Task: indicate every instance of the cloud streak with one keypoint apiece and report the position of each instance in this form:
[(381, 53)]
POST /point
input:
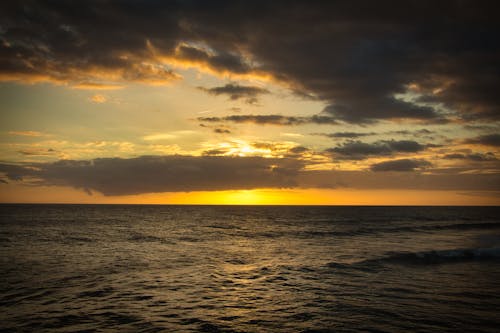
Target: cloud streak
[(358, 150), (348, 135), (401, 165), (476, 157), (486, 140), (27, 133), (235, 92), (272, 119)]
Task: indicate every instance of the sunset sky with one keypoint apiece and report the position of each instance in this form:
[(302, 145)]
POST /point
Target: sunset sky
[(250, 102)]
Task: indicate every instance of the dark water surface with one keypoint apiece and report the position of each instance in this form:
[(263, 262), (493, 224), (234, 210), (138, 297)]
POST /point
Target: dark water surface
[(92, 268)]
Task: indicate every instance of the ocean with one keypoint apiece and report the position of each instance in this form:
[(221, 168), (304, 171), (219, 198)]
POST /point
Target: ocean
[(139, 268)]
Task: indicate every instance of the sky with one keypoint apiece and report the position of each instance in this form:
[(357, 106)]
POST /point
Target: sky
[(250, 102)]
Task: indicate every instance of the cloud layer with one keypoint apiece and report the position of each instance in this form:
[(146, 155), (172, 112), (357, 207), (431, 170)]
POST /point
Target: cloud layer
[(117, 176), (357, 57), (176, 173)]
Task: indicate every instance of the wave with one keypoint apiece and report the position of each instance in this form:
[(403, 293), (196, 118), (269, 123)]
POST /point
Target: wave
[(138, 237), (461, 226), (425, 258), (439, 257), (399, 229)]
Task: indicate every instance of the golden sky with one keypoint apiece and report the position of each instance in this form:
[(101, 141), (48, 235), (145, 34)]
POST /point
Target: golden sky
[(219, 104)]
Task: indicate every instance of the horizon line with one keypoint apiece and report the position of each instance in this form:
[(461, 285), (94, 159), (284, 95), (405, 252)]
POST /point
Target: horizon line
[(241, 205)]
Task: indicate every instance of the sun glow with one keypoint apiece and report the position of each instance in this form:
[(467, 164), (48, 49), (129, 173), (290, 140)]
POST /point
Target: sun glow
[(55, 194), (244, 197)]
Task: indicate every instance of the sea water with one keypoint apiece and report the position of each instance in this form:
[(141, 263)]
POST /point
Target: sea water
[(99, 268)]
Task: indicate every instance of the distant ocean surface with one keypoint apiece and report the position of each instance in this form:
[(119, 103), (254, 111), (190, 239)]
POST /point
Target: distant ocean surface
[(99, 268)]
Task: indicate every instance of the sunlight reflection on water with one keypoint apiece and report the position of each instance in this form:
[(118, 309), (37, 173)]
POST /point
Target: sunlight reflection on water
[(248, 269)]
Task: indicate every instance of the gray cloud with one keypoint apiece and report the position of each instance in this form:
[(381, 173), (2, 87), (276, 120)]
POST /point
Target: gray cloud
[(487, 140), (218, 129), (366, 111), (476, 157), (272, 119), (298, 150), (354, 56), (215, 152), (249, 94), (37, 152), (357, 150), (222, 131), (448, 180), (400, 165), (256, 119), (417, 133), (481, 127), (350, 135), (455, 156), (354, 135), (221, 60), (146, 174)]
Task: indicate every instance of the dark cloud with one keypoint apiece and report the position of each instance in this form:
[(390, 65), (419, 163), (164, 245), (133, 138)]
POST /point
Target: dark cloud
[(264, 145), (480, 127), (354, 135), (222, 131), (320, 119), (487, 140), (256, 119), (217, 129), (349, 135), (215, 152), (417, 133), (272, 119), (355, 56), (305, 95), (14, 172), (405, 146), (477, 157), (298, 150), (146, 174), (249, 94), (357, 150), (454, 180), (221, 61), (454, 156), (37, 152), (400, 165), (366, 111)]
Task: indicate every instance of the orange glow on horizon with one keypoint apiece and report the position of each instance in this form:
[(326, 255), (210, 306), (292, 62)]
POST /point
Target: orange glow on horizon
[(12, 193)]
